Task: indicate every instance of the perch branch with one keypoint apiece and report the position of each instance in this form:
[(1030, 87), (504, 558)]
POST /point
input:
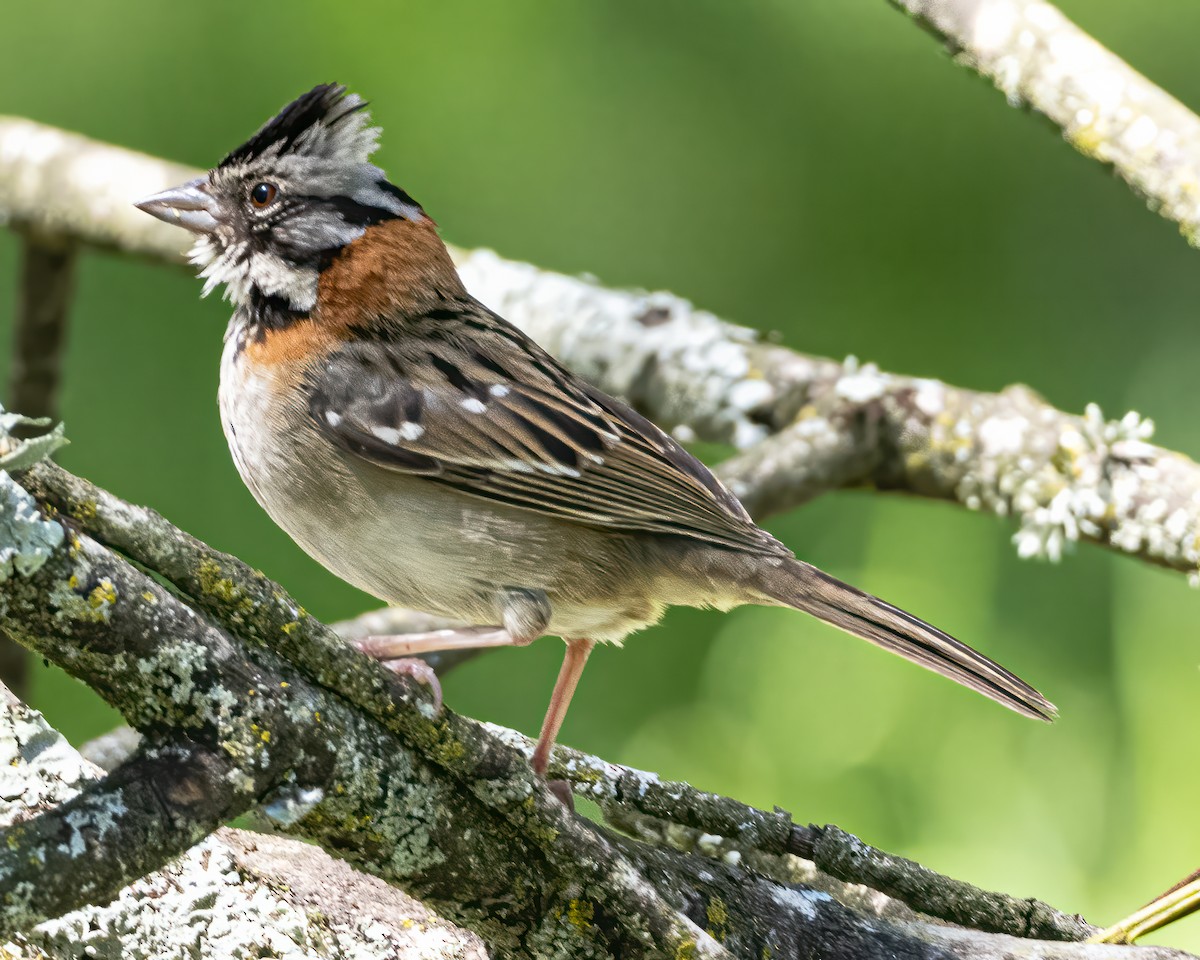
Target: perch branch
[(442, 807), (1106, 110)]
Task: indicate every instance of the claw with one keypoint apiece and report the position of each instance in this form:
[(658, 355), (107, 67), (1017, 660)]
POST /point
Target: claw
[(420, 671), (562, 790)]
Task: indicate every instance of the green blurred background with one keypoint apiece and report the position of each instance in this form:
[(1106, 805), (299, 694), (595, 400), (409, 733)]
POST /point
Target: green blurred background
[(818, 169)]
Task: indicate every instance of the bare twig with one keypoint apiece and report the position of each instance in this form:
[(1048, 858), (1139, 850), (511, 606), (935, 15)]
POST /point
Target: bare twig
[(44, 292)]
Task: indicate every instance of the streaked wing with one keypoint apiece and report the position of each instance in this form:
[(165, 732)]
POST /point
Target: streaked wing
[(463, 398)]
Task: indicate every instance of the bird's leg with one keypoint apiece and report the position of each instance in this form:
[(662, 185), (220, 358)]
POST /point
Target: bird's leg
[(564, 688), (399, 653), (456, 638)]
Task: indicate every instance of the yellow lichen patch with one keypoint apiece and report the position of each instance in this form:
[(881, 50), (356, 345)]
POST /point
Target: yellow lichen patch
[(686, 950), (211, 582), (103, 595), (84, 510), (718, 919), (266, 736), (1086, 139), (290, 628), (149, 597), (580, 914)]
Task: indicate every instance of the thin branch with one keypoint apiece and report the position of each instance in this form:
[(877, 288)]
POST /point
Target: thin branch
[(1061, 477), (736, 826), (834, 424), (1107, 110), (44, 290)]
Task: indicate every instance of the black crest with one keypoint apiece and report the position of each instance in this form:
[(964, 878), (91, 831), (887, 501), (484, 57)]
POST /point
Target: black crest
[(326, 103)]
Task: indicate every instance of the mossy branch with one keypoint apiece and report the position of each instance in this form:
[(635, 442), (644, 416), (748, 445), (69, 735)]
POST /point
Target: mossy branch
[(232, 683)]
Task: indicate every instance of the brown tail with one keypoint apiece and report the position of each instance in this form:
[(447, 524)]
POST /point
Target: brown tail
[(806, 588)]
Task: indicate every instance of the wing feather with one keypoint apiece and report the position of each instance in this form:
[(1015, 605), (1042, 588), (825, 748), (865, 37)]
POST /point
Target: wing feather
[(464, 399)]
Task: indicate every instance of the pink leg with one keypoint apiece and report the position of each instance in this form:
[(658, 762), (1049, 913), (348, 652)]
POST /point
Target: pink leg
[(560, 699), (459, 638), (397, 652)]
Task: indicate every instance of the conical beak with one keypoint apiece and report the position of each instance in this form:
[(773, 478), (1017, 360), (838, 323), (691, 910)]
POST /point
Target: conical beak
[(189, 205)]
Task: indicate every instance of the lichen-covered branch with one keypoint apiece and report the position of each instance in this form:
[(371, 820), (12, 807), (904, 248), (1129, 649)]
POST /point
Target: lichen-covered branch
[(679, 814), (827, 424), (339, 751), (246, 891), (1061, 477), (1107, 110), (340, 776)]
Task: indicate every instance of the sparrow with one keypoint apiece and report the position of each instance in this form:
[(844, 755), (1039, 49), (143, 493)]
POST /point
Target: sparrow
[(430, 453)]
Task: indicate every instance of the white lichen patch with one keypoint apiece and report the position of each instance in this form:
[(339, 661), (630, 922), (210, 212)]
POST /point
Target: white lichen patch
[(38, 768), (27, 540), (176, 670), (92, 825), (804, 902), (1068, 478), (20, 453), (289, 804), (861, 383)]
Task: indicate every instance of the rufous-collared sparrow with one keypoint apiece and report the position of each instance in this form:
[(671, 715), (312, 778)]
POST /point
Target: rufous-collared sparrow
[(428, 452)]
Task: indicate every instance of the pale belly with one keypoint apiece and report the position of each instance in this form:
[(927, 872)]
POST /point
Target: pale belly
[(415, 543)]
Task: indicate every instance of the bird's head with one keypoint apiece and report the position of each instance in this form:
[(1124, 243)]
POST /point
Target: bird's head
[(281, 206)]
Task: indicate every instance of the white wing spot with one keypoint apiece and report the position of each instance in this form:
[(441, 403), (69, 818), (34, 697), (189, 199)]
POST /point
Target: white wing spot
[(498, 390), (333, 418), (407, 431), (473, 406), (387, 434)]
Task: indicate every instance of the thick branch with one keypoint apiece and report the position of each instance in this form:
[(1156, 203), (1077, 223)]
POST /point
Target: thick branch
[(442, 808), (245, 891), (1107, 110)]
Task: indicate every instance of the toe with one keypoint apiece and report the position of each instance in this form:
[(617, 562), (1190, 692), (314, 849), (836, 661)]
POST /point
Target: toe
[(422, 672)]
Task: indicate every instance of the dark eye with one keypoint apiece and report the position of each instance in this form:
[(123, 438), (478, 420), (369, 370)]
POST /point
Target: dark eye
[(261, 194)]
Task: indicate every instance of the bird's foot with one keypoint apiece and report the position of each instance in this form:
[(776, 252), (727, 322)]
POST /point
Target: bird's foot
[(420, 671)]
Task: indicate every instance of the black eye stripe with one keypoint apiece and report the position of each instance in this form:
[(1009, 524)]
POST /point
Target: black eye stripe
[(351, 211)]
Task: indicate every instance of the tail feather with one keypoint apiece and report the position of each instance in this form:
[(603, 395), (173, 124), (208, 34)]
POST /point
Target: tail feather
[(804, 587)]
